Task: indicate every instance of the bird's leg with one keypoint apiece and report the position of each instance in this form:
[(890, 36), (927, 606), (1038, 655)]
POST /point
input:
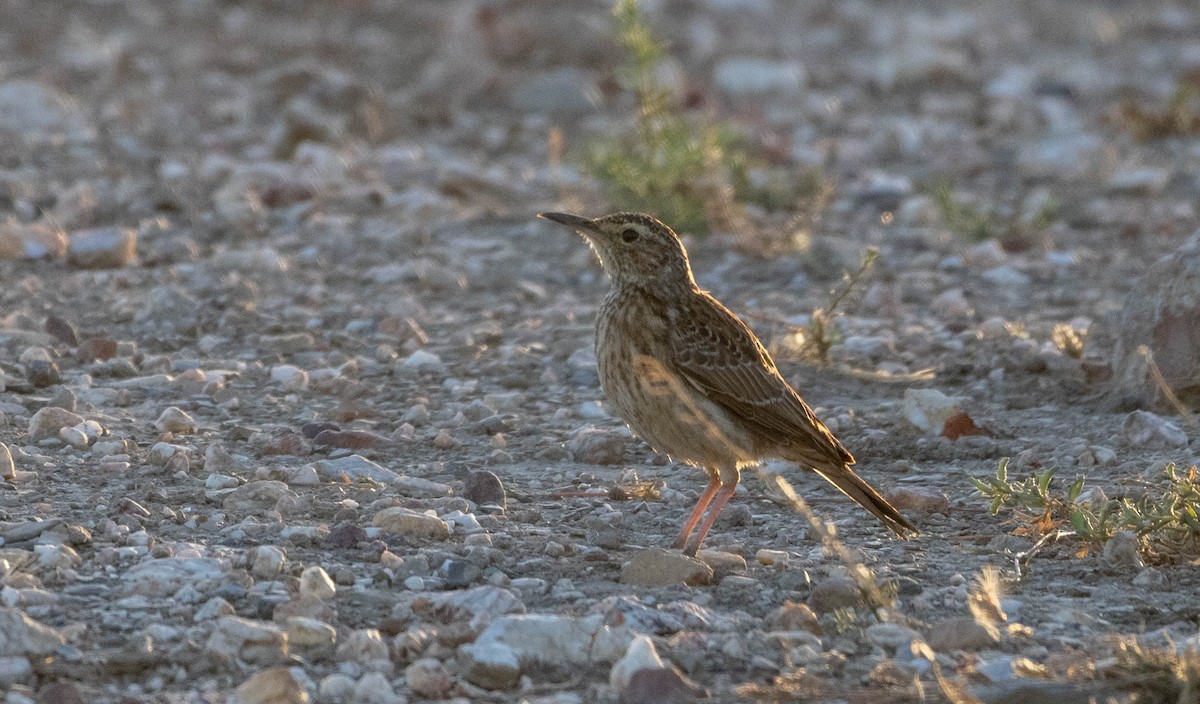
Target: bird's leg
[(729, 481), (701, 504)]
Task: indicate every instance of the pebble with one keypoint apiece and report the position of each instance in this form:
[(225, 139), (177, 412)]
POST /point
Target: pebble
[(268, 562), (364, 645), (1143, 181), (31, 241), (484, 488), (421, 488), (596, 446), (353, 469), (492, 666), (656, 567), (215, 607), (835, 593), (795, 616), (640, 655), (555, 640), (237, 638), (661, 684), (315, 582), (38, 112), (428, 677), (175, 420), (919, 499), (102, 248), (562, 91), (962, 633), (161, 453), (21, 635), (927, 409), (257, 496), (405, 521), (8, 468), (289, 377), (1007, 277), (423, 361), (47, 422), (1151, 578), (1150, 431), (779, 558), (336, 688), (162, 577), (1121, 553), (751, 76), (374, 688), (951, 304), (275, 685), (310, 633), (722, 563)]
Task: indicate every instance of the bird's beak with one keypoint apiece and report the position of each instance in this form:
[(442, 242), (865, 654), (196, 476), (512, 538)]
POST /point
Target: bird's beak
[(583, 225)]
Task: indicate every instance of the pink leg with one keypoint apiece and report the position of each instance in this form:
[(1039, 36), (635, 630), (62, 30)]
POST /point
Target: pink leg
[(701, 503), (722, 498)]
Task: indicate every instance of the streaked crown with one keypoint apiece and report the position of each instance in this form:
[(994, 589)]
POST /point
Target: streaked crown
[(635, 249)]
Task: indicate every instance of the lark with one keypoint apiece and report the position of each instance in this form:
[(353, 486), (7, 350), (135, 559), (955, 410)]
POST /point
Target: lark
[(692, 380)]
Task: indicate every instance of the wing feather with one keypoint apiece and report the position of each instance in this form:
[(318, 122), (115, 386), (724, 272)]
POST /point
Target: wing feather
[(723, 359)]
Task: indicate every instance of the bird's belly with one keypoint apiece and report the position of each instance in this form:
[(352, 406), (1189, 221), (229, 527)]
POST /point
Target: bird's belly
[(669, 413)]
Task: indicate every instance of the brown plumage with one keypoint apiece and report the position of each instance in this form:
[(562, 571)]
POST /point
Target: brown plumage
[(693, 381)]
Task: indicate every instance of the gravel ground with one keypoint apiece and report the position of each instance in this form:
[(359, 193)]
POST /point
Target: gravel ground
[(301, 402)]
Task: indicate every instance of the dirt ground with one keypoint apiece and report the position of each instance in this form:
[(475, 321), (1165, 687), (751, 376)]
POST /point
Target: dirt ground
[(333, 206)]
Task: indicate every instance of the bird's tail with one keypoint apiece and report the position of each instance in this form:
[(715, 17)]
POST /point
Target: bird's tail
[(853, 486)]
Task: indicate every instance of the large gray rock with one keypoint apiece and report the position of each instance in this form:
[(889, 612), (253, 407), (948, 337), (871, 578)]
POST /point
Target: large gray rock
[(1161, 313), (38, 112)]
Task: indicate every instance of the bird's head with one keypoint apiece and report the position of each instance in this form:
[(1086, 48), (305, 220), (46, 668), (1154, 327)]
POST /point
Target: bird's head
[(634, 249)]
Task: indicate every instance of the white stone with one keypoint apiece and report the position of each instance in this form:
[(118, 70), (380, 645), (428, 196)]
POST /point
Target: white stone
[(773, 557), (164, 576), (429, 678), (268, 562), (215, 607), (316, 582), (558, 640), (174, 420), (746, 76), (398, 520), (20, 635), (640, 655), (353, 468), (8, 468), (423, 361), (304, 632), (238, 638), (374, 688), (490, 665), (1152, 432), (336, 688), (103, 247), (289, 376), (161, 453), (927, 409), (48, 421)]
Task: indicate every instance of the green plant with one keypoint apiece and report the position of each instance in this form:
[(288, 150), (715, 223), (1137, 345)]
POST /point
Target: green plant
[(685, 171), (1166, 517), (822, 334), (976, 225)]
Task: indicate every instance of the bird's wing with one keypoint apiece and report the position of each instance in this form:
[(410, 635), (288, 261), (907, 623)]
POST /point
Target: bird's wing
[(722, 358)]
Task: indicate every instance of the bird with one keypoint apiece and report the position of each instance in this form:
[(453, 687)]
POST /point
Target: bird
[(692, 380)]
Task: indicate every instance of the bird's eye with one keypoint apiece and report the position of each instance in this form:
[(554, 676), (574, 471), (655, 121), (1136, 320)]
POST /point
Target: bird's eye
[(630, 235)]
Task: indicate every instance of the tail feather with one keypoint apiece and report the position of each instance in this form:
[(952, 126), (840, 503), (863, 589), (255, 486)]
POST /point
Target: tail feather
[(853, 486)]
